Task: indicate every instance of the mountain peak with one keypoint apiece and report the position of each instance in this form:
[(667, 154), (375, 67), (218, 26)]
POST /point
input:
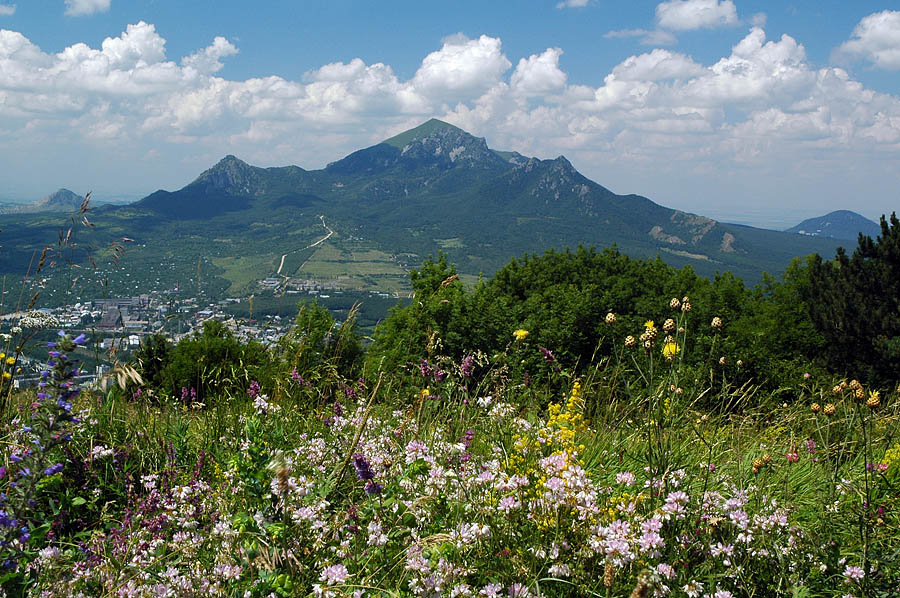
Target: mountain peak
[(62, 199), (231, 174), (426, 129)]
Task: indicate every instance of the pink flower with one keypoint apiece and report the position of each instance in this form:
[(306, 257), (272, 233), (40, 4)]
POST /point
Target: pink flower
[(853, 573), (792, 456), (334, 574)]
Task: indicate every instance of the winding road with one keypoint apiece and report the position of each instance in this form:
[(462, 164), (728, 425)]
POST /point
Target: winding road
[(322, 240)]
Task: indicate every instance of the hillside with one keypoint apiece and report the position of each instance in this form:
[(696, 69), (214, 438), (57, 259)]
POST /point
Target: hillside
[(841, 224), (432, 188)]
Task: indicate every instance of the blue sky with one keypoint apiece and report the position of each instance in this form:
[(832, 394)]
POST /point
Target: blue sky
[(762, 112)]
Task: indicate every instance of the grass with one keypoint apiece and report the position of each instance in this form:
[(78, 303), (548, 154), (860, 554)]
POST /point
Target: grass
[(245, 270), (630, 475)]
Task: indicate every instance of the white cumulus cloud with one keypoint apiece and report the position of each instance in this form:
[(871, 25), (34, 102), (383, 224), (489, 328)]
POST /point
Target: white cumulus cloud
[(209, 59), (876, 39), (659, 117), (686, 15), (77, 8), (462, 65), (539, 73), (7, 9)]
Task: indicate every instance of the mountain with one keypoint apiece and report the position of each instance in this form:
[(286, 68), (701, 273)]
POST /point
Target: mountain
[(61, 200), (841, 224), (364, 220)]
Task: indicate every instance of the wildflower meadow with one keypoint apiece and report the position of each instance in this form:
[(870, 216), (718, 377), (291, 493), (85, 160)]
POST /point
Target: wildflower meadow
[(327, 466)]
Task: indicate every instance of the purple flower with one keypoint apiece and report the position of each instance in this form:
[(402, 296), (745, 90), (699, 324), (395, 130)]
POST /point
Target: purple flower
[(363, 468), (80, 339), (467, 365), (53, 469), (548, 354), (253, 391), (373, 488)]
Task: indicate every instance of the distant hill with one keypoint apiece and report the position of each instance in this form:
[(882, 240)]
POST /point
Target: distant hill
[(841, 224), (387, 207), (61, 200)]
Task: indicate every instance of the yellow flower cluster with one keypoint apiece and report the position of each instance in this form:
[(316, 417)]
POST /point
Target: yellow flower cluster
[(555, 437), (892, 458), (563, 424), (520, 334)]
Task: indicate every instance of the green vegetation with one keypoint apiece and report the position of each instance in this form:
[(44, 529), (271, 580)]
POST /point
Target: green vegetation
[(432, 188), (583, 423)]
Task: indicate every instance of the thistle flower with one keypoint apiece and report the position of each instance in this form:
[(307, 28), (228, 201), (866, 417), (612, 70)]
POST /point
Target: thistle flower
[(670, 350)]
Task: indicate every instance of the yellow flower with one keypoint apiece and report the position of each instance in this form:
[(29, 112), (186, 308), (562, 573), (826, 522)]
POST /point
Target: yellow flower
[(650, 325), (10, 360), (7, 375), (2, 355), (424, 394), (670, 350), (520, 334)]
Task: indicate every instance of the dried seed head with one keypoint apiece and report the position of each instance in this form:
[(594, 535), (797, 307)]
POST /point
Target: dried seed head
[(685, 306), (758, 463), (767, 458), (629, 341), (815, 407), (859, 394), (722, 360), (837, 390), (874, 400), (674, 303), (740, 362), (609, 574), (829, 409), (610, 318), (716, 322), (669, 325)]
